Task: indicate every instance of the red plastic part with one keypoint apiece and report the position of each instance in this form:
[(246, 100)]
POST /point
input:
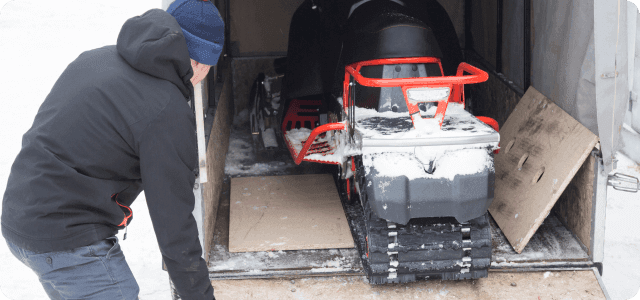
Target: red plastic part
[(322, 161), (353, 169), (441, 109), (293, 116), (312, 137), (476, 76), (491, 122), (455, 83)]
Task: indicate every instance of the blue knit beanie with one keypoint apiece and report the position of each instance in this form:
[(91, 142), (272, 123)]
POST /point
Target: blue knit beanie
[(203, 28)]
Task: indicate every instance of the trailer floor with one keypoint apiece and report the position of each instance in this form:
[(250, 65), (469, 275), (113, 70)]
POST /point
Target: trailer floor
[(552, 248), (530, 285)]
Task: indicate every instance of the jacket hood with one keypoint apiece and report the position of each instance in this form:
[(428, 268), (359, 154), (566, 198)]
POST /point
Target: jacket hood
[(153, 43)]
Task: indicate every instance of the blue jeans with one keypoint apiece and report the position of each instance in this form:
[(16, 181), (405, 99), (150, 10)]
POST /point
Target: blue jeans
[(97, 271)]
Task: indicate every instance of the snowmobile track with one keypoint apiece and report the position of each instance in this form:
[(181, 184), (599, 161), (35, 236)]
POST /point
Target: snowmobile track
[(429, 248)]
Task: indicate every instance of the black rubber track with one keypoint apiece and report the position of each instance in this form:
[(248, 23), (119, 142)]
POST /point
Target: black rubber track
[(429, 248)]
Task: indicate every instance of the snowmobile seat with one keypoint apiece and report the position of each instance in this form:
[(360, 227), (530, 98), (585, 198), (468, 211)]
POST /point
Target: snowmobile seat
[(376, 28)]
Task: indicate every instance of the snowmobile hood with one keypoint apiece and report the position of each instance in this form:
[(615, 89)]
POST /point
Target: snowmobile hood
[(153, 43)]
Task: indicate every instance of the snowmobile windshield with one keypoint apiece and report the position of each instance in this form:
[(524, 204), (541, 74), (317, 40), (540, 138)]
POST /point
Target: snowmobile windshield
[(370, 96)]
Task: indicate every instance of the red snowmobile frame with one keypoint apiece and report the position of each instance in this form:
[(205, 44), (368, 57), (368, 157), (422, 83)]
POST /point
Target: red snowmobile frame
[(454, 84)]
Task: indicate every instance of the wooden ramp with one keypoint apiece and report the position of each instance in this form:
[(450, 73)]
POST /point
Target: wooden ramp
[(542, 150), (520, 285)]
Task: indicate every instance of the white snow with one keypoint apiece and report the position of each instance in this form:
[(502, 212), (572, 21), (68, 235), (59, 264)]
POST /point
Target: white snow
[(269, 138), (449, 160), (338, 263), (622, 238), (244, 260), (326, 270), (462, 124), (335, 139), (240, 150), (299, 135), (426, 125), (38, 39)]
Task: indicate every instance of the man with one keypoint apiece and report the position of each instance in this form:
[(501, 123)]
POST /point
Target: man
[(117, 121)]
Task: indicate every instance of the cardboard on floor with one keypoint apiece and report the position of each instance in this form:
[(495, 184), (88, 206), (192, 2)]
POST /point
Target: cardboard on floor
[(294, 212)]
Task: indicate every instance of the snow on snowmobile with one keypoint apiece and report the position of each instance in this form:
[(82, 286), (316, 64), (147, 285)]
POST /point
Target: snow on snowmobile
[(377, 88)]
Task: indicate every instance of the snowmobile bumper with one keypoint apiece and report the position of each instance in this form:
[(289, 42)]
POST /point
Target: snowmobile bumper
[(399, 198)]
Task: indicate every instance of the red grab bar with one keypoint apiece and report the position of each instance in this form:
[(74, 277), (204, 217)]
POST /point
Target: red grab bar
[(455, 83), (312, 137), (476, 76)]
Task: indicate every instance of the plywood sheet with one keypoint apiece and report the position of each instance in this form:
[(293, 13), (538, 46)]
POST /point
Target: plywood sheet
[(216, 153), (286, 213), (542, 150), (260, 27)]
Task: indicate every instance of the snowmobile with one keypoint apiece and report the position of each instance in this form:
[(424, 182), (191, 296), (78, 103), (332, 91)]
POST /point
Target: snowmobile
[(377, 88)]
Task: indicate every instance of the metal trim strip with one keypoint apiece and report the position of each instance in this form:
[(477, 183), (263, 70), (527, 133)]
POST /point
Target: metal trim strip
[(440, 141)]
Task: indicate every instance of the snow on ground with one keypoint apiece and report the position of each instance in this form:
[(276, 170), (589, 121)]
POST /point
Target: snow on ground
[(38, 39), (622, 238)]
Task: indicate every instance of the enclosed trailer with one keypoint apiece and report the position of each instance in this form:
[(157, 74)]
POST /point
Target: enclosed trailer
[(579, 54)]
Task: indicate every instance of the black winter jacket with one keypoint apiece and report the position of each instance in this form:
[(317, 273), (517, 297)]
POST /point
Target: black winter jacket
[(117, 121)]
